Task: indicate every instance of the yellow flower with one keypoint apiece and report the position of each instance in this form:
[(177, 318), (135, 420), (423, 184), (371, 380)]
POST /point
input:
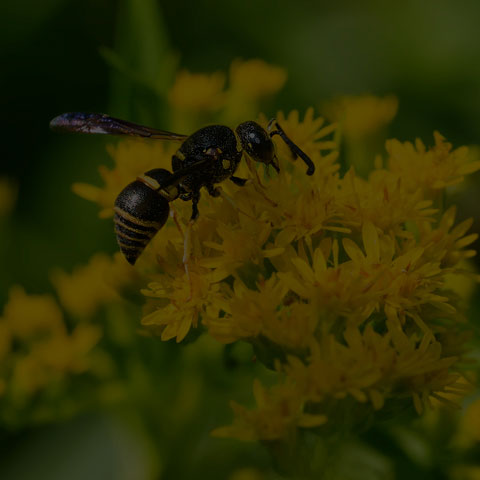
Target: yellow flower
[(362, 115), (52, 359), (247, 310), (191, 296), (240, 244), (255, 78), (279, 411), (97, 283), (249, 82), (28, 316), (383, 200), (197, 91), (433, 169)]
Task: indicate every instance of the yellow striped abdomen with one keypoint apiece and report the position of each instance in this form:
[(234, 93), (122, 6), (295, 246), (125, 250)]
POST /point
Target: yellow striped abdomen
[(140, 212)]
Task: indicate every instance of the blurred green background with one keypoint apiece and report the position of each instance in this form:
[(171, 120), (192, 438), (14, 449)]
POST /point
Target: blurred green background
[(119, 57)]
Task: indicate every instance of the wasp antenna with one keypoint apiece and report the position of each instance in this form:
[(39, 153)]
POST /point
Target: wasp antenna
[(296, 151)]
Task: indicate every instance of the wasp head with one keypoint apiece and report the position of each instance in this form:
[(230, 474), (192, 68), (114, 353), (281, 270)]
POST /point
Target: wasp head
[(257, 143)]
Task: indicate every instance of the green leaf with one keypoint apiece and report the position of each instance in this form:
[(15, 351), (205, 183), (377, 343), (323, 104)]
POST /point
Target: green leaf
[(144, 65)]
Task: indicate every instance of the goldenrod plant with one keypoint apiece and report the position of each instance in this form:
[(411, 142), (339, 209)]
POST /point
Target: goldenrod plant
[(341, 294), (340, 282)]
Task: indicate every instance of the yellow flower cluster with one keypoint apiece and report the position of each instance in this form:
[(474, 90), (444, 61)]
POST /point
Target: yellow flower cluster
[(48, 350), (195, 97), (435, 169), (362, 312), (339, 282), (37, 352)]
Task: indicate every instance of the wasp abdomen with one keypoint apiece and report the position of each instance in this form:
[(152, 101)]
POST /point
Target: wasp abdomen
[(140, 212)]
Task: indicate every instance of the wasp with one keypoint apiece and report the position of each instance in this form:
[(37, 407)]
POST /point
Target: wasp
[(206, 157)]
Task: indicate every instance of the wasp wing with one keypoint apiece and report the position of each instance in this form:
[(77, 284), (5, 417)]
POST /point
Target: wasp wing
[(179, 175), (99, 123)]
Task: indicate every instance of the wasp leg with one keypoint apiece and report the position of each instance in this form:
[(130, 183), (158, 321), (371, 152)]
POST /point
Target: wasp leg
[(296, 151), (213, 191), (258, 185), (186, 196), (232, 202), (186, 248), (174, 216), (239, 181), (195, 200), (253, 171)]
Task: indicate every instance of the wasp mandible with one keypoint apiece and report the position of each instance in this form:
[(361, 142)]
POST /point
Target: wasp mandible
[(206, 157)]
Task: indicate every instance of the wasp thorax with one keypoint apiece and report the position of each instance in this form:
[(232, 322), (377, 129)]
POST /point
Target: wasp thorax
[(257, 143)]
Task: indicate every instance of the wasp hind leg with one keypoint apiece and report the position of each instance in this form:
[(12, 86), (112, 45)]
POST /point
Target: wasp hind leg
[(239, 181), (256, 182), (186, 197), (186, 247), (187, 238), (195, 196), (213, 191)]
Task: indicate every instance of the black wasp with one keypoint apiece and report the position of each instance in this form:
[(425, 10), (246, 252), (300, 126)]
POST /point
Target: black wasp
[(208, 156)]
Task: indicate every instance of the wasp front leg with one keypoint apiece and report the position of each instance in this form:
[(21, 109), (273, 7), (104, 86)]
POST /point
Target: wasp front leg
[(295, 149)]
